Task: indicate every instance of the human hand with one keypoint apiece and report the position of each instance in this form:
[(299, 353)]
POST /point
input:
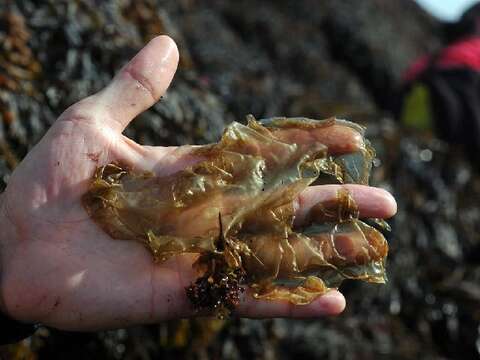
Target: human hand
[(59, 268)]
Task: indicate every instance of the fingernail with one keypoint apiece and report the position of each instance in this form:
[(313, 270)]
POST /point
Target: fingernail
[(332, 303)]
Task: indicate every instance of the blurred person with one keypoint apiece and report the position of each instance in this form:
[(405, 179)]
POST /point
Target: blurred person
[(58, 268), (441, 91)]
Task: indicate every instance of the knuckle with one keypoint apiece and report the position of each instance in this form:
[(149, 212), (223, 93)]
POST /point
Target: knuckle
[(141, 81)]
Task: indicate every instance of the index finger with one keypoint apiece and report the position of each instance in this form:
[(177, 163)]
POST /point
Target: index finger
[(339, 139)]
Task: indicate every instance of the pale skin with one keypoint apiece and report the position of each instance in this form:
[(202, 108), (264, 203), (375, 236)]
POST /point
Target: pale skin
[(60, 269)]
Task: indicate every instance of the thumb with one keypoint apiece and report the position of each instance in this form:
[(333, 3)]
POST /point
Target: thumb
[(138, 85)]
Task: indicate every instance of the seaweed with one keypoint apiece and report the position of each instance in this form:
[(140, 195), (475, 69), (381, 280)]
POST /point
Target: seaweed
[(239, 202)]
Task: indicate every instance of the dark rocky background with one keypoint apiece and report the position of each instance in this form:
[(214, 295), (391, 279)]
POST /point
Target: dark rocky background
[(294, 58)]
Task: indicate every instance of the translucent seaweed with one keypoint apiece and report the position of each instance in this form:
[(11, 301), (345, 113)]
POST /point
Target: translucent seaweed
[(237, 205)]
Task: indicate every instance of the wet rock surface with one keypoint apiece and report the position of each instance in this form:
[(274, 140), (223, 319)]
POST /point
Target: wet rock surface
[(291, 58)]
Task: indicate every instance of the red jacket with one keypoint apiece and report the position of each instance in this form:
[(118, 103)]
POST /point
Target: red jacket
[(461, 54)]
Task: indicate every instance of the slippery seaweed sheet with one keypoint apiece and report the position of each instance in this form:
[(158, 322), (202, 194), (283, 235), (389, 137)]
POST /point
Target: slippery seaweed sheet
[(239, 206)]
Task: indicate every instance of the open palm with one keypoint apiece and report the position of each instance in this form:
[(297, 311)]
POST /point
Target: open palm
[(59, 268)]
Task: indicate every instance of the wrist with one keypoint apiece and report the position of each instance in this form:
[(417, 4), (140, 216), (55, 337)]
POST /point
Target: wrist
[(6, 236), (10, 330)]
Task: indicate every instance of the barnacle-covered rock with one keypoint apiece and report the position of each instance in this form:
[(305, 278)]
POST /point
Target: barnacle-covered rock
[(236, 208)]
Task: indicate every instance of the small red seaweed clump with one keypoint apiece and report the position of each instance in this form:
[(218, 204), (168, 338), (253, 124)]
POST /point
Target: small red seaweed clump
[(239, 204)]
